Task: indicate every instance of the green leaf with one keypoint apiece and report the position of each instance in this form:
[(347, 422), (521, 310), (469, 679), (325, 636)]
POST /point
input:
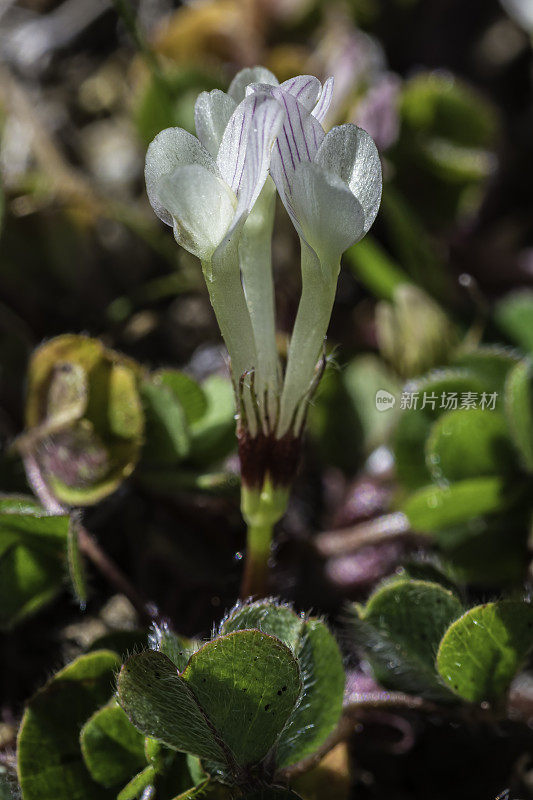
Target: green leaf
[(434, 103), (167, 432), (125, 410), (189, 393), (224, 707), (447, 139), (161, 705), (271, 618), (168, 99), (490, 364), (60, 356), (514, 315), (196, 770), (484, 649), (321, 670), (414, 333), (363, 378), (213, 436), (32, 558), (469, 443), (333, 423), (20, 504), (39, 530), (178, 648), (323, 679), (50, 763), (519, 409), (237, 680), (415, 424), (84, 418), (112, 748), (121, 642), (487, 551), (400, 629), (134, 789), (434, 507)]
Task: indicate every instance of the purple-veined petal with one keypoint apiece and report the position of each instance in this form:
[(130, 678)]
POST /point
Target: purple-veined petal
[(245, 77), (350, 153), (298, 141), (212, 112), (305, 88), (330, 217), (246, 146), (201, 207), (324, 100), (172, 148)]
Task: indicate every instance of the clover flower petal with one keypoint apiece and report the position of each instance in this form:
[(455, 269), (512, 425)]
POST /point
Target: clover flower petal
[(231, 157), (328, 213), (202, 207), (324, 101), (350, 153), (247, 77), (170, 149), (257, 121), (212, 112), (347, 154)]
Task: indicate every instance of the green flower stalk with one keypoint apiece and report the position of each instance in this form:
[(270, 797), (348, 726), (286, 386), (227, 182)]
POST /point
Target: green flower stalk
[(216, 193)]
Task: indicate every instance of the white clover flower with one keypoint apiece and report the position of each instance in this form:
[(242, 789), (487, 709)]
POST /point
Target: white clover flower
[(206, 187), (215, 192), (330, 185)]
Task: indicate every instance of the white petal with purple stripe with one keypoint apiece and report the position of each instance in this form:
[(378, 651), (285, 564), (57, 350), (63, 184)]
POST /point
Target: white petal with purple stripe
[(298, 141), (305, 88), (244, 154), (324, 100)]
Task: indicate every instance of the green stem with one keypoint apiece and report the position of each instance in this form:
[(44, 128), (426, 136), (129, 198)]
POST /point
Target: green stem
[(261, 509), (223, 280), (255, 253), (319, 285), (258, 547)]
